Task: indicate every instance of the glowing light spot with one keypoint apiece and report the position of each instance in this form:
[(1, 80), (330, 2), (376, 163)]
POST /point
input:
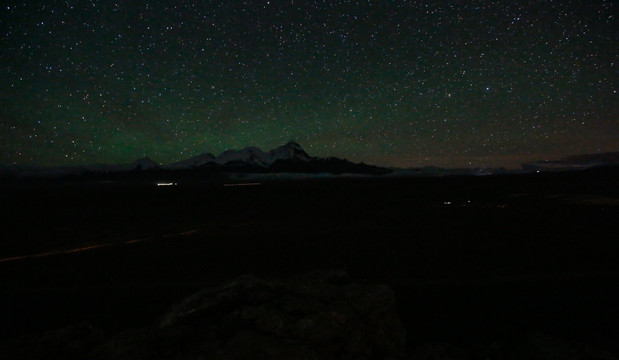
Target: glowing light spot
[(167, 184)]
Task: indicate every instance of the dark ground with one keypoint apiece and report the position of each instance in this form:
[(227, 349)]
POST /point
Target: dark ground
[(471, 259)]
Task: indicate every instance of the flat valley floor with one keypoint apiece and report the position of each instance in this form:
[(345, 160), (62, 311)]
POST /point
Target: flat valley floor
[(470, 259)]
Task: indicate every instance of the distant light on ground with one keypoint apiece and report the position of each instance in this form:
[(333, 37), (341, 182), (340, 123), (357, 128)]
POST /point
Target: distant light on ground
[(166, 183)]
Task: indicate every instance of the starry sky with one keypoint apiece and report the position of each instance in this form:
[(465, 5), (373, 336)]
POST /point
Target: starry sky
[(395, 83)]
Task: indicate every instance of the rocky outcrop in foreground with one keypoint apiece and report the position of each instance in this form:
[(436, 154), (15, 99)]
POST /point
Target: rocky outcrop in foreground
[(322, 315), (316, 316)]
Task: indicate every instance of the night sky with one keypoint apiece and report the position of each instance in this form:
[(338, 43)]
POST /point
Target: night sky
[(393, 83)]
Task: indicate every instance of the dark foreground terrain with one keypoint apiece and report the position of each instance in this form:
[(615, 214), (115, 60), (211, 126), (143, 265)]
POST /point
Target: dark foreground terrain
[(499, 267)]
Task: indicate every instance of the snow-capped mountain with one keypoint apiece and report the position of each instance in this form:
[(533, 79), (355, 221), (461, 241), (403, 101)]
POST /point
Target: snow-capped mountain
[(249, 156), (193, 162), (289, 151), (256, 157), (288, 158)]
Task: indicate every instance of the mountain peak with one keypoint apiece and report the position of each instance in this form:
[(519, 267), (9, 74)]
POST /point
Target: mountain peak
[(289, 151), (292, 144), (144, 163), (250, 155)]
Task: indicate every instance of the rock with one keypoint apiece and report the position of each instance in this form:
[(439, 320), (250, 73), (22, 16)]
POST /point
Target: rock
[(322, 315)]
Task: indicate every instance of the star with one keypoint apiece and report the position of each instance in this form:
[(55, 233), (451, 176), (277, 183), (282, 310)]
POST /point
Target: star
[(367, 81)]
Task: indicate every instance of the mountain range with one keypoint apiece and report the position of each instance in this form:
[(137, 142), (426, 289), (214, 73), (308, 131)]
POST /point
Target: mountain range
[(249, 156), (292, 159), (288, 158)]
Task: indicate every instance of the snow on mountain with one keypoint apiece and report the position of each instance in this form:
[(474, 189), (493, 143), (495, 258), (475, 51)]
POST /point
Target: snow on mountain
[(250, 155), (193, 162), (256, 157), (287, 158), (289, 151)]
